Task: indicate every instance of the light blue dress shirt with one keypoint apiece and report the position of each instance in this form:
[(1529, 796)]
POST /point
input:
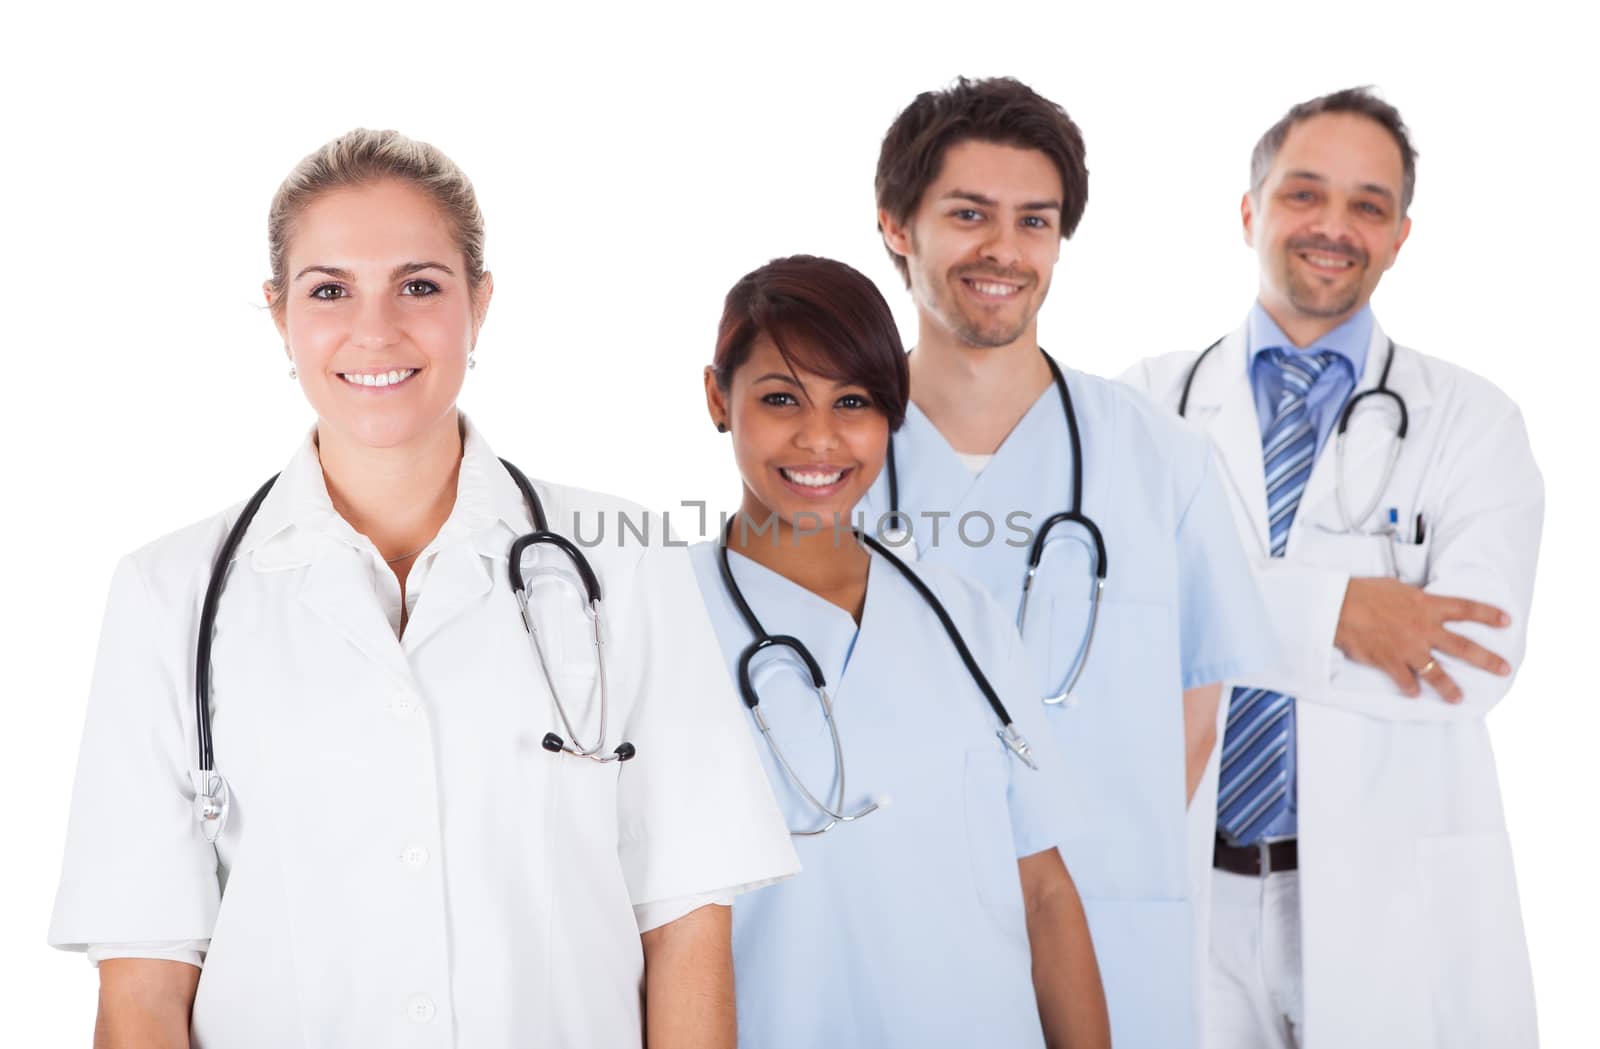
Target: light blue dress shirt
[(905, 928), (1348, 343), (1179, 610)]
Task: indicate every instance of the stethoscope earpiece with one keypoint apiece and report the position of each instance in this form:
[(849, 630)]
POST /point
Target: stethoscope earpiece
[(555, 744), (542, 536)]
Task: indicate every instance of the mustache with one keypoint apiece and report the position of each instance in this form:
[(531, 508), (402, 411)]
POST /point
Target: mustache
[(1324, 246)]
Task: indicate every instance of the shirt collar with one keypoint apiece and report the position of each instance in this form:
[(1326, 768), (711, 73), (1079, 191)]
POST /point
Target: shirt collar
[(1349, 340), (489, 509)]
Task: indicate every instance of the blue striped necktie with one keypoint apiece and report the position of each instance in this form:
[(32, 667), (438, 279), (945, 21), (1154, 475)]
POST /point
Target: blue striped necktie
[(1253, 792)]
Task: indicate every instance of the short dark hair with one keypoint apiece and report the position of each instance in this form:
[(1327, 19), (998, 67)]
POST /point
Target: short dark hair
[(824, 317), (1362, 101), (1001, 110)]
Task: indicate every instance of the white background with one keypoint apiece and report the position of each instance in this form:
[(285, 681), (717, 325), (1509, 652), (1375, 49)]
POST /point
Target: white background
[(631, 166)]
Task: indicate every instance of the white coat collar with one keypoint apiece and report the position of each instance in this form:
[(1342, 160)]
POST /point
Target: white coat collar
[(1222, 403), (297, 518), (297, 527)]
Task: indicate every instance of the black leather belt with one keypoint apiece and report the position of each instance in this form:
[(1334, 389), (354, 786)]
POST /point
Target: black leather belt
[(1256, 860)]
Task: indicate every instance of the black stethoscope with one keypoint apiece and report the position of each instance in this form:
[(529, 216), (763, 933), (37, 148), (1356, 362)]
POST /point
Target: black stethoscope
[(763, 641), (211, 789), (1350, 522), (1073, 514)]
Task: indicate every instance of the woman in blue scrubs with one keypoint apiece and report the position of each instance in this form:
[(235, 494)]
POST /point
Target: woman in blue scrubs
[(933, 908)]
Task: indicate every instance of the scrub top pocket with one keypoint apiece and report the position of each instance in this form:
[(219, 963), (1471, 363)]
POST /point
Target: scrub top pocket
[(1064, 621), (987, 781)]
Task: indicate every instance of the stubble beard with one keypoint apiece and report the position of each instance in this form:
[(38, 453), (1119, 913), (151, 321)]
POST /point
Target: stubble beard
[(1311, 298), (975, 332), (992, 337), (1313, 301)]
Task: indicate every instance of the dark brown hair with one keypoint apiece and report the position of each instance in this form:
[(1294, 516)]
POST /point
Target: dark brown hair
[(826, 318), (1361, 101), (1001, 110)]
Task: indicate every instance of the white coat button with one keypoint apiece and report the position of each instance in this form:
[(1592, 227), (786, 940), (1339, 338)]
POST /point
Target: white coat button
[(403, 706), (414, 856), (420, 1009)]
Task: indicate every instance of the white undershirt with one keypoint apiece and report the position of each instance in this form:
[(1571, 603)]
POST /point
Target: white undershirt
[(974, 461)]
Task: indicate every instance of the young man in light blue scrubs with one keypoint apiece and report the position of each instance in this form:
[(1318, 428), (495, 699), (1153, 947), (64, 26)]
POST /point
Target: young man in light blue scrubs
[(977, 187)]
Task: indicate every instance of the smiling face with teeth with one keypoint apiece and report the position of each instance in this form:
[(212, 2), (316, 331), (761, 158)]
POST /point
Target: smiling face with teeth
[(982, 242), (805, 444), (1326, 222), (378, 316)]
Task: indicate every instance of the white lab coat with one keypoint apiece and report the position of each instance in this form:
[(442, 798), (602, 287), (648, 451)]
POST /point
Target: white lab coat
[(404, 865), (1412, 935)]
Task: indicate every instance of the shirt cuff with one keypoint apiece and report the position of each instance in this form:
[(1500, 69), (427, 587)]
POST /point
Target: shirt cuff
[(190, 952), (657, 913)]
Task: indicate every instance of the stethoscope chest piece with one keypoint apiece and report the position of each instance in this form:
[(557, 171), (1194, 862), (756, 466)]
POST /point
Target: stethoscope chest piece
[(212, 801)]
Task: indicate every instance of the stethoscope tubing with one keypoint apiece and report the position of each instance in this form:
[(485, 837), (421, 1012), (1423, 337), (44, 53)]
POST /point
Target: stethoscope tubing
[(208, 620), (1350, 522), (541, 535), (763, 641), (1073, 514)]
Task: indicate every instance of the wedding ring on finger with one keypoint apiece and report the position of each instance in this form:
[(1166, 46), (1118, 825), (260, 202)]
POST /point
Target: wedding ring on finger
[(1427, 668)]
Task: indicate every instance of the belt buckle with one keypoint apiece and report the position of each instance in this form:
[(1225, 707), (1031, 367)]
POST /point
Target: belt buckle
[(1264, 850)]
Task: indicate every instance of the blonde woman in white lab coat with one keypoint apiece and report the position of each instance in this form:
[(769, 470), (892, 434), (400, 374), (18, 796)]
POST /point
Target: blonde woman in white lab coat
[(403, 860)]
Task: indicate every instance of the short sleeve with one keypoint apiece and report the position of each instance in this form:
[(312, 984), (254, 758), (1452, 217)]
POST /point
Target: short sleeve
[(697, 814), (189, 952), (1037, 797), (661, 912), (137, 869), (1223, 626)]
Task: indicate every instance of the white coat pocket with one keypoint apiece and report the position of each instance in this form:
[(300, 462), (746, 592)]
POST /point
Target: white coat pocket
[(1411, 563), (585, 801), (1353, 553), (1482, 990)]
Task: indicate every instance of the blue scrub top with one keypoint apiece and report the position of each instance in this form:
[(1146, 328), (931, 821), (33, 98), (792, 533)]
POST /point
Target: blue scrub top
[(905, 928), (1179, 610)]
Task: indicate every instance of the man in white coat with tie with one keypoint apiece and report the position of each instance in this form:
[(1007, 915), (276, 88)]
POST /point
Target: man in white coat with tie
[(1362, 891)]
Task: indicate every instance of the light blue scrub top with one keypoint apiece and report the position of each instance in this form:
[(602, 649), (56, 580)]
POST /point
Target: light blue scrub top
[(905, 928), (1179, 610)]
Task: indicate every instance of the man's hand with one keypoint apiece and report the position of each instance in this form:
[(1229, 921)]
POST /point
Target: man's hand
[(1397, 628)]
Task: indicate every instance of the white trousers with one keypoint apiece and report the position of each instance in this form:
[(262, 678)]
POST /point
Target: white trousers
[(1253, 996)]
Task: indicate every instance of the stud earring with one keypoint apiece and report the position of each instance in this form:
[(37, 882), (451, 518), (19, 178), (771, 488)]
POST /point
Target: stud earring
[(722, 427), (472, 359), (292, 373)]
